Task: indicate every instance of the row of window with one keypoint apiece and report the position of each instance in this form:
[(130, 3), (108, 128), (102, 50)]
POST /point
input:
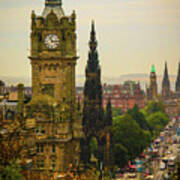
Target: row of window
[(40, 164), (40, 148), (40, 130)]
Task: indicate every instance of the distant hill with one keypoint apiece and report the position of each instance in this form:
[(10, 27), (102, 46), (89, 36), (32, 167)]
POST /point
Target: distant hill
[(142, 78)]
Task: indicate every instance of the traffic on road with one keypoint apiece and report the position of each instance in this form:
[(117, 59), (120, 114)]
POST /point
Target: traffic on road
[(158, 161)]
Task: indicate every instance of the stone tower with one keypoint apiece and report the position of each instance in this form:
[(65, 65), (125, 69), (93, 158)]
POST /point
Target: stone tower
[(166, 92), (53, 59), (92, 110), (152, 91), (178, 80), (20, 108)]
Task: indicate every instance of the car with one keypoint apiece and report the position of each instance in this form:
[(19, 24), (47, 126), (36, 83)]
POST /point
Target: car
[(132, 175), (150, 177)]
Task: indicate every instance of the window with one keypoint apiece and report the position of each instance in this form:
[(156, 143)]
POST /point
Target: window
[(37, 130), (48, 89), (40, 163), (43, 131), (37, 148), (42, 148), (53, 164), (53, 148)]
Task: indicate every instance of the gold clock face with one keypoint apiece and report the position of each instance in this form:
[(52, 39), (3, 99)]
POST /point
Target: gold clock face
[(51, 41)]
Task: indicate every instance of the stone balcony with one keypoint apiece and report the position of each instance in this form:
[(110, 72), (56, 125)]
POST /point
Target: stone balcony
[(56, 138)]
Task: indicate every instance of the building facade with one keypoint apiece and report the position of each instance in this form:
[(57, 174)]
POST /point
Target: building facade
[(53, 105), (124, 96)]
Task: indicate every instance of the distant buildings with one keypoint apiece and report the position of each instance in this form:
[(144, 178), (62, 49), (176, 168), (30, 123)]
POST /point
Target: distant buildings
[(171, 99), (123, 96)]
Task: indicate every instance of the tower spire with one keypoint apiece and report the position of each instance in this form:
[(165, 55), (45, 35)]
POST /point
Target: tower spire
[(93, 115), (153, 69), (166, 76), (178, 79), (93, 42), (166, 83), (93, 62)]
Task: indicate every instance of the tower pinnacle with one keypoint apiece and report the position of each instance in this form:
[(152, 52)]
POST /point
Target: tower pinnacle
[(53, 2), (166, 83), (178, 80), (166, 76), (153, 69), (55, 6), (93, 42)]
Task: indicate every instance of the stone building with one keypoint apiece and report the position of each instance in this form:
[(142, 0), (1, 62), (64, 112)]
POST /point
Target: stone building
[(53, 104), (152, 90)]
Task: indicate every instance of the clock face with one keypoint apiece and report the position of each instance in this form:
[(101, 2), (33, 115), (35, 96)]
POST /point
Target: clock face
[(51, 41)]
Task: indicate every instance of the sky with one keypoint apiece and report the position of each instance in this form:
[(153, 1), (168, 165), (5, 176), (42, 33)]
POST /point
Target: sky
[(132, 34)]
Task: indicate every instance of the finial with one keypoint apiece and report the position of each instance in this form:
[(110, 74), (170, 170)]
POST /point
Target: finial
[(153, 69), (93, 33), (53, 2), (92, 26)]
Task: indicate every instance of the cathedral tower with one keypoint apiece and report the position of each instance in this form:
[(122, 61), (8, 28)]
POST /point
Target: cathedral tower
[(178, 80), (53, 59), (153, 90), (166, 92)]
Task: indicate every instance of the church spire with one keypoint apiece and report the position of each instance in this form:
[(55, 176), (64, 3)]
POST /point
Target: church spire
[(178, 80), (166, 83), (166, 76), (153, 69)]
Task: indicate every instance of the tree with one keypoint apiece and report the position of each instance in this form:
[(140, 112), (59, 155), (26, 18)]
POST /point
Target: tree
[(153, 107), (139, 117), (11, 172), (121, 154), (129, 134), (116, 112), (157, 121)]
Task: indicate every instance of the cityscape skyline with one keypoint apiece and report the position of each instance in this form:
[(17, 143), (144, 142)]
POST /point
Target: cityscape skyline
[(143, 33)]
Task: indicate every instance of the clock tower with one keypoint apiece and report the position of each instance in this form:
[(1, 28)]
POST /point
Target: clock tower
[(53, 53), (53, 59)]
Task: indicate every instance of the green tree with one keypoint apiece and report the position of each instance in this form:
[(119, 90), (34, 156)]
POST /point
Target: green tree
[(121, 154), (153, 107), (116, 112), (129, 134), (157, 121), (139, 117), (11, 172)]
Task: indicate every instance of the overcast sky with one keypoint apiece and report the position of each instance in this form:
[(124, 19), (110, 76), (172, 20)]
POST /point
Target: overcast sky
[(132, 34)]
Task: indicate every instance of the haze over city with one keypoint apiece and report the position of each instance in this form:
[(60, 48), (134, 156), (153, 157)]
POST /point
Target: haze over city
[(132, 34)]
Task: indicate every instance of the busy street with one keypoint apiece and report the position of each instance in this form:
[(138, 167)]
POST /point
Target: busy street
[(158, 161)]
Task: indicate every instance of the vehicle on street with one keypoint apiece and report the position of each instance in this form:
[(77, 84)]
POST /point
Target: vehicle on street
[(162, 166), (150, 177), (132, 172), (171, 162)]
